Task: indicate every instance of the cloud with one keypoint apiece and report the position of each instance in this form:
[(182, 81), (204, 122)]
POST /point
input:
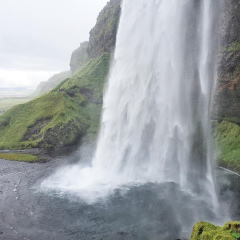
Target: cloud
[(25, 79), (22, 62), (46, 28), (38, 37)]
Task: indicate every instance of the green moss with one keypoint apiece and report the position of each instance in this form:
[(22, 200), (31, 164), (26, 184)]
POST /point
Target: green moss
[(233, 227), (103, 35), (235, 46), (228, 119), (18, 157), (208, 231), (227, 144), (60, 117)]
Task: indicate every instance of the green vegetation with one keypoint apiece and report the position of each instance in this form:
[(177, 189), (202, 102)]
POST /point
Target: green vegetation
[(228, 119), (235, 46), (18, 157), (208, 231), (227, 143), (236, 235), (103, 35), (60, 117)]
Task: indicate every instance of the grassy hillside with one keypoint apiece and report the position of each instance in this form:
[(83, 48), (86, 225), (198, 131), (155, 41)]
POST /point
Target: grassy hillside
[(227, 143), (60, 117)]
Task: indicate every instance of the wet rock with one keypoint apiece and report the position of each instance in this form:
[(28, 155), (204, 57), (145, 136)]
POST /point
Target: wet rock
[(227, 99)]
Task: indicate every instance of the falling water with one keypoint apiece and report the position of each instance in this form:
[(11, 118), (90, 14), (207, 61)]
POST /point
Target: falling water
[(155, 123)]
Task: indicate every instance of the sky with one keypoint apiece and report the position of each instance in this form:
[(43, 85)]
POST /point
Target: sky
[(38, 36)]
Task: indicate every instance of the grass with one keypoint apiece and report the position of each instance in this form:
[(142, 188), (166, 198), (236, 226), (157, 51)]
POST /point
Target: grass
[(60, 117), (234, 47), (18, 157), (227, 144)]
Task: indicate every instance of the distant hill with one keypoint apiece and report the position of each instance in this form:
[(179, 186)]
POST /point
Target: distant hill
[(102, 39), (6, 92), (72, 109), (60, 117), (52, 82), (79, 57)]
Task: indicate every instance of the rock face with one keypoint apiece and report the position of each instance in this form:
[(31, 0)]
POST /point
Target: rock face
[(52, 82), (79, 57), (227, 100), (103, 35), (226, 108), (62, 116), (72, 109), (102, 40), (208, 231)]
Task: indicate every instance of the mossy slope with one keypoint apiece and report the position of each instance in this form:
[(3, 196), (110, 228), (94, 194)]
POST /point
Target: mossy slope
[(60, 117), (18, 157), (208, 231), (227, 144)]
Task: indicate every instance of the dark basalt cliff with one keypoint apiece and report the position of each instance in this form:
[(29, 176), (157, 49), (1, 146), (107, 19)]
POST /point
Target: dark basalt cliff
[(103, 35), (227, 100), (226, 108), (102, 40), (72, 110)]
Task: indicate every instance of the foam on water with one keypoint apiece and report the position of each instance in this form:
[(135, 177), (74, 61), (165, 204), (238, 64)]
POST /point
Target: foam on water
[(155, 123)]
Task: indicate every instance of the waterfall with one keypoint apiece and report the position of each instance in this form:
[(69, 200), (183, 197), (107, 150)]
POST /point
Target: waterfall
[(155, 122)]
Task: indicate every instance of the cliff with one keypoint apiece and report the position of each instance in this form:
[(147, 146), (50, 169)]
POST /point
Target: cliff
[(60, 117), (226, 109), (72, 109), (227, 100), (102, 40), (103, 35)]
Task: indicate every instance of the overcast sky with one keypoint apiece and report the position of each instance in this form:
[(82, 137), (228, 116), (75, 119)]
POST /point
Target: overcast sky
[(38, 36)]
